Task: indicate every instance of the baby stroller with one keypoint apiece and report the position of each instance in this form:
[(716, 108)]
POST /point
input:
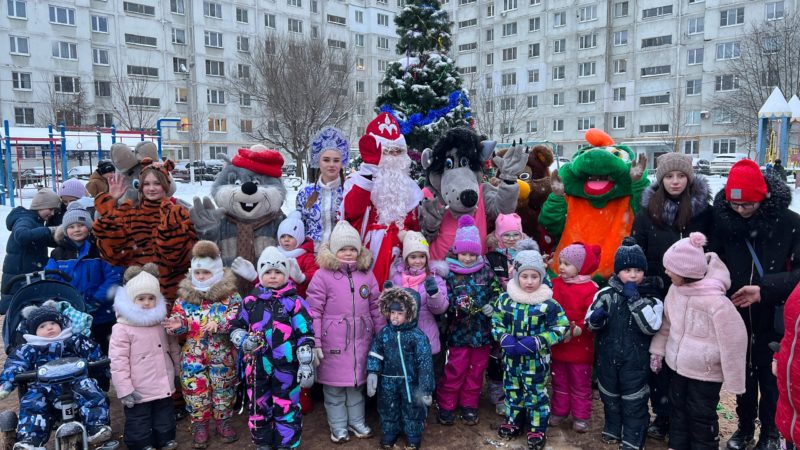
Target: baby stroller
[(36, 289)]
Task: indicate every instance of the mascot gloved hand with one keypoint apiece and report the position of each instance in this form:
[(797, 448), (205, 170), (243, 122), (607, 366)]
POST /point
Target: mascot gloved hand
[(206, 217), (511, 164)]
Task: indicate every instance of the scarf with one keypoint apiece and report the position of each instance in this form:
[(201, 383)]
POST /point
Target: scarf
[(412, 281), (577, 279), (204, 286), (292, 253), (39, 341), (246, 235), (460, 269)]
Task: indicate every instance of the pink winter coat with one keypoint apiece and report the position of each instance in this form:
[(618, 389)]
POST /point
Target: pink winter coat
[(702, 336), (143, 358), (428, 306), (344, 304)]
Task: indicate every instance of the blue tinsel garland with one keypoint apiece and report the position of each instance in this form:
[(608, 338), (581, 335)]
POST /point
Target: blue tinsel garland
[(417, 120)]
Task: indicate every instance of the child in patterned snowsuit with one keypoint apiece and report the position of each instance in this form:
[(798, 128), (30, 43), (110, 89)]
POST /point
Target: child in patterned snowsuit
[(401, 357), (527, 323), (207, 303), (48, 337), (624, 316), (274, 332), (472, 289)]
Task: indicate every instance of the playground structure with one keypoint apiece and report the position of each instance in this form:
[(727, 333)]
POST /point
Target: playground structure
[(49, 149), (775, 120)]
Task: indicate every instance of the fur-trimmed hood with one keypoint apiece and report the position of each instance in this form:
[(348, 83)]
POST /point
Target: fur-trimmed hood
[(405, 297), (134, 315), (540, 295), (700, 194), (216, 293), (731, 225), (327, 260)]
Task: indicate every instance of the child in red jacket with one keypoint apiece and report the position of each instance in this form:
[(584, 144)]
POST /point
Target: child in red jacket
[(574, 290), (295, 244)]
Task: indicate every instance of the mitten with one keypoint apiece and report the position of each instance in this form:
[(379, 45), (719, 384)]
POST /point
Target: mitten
[(430, 286), (305, 375), (527, 345), (427, 400), (655, 363), (487, 309), (305, 354), (372, 384), (509, 344), (244, 269), (293, 270), (130, 400), (244, 340), (630, 290), (387, 284), (598, 318)]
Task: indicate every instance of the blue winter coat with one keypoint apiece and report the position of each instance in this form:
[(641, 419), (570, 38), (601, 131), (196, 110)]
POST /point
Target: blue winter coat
[(467, 325), (91, 275), (26, 249), (320, 218)]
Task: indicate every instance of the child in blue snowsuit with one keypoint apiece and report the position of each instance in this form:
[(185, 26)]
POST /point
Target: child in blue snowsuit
[(48, 337), (401, 356)]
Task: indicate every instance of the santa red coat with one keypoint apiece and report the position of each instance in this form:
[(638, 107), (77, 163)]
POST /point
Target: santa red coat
[(576, 300), (787, 414)]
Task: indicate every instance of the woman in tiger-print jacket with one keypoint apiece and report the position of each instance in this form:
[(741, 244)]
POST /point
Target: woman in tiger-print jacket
[(154, 230)]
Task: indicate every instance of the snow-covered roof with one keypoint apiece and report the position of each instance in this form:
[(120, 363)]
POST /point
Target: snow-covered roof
[(794, 105), (775, 107)]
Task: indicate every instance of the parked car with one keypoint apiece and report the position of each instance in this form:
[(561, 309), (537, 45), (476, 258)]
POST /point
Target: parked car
[(292, 182), (203, 170), (82, 172), (289, 169), (721, 164), (701, 166), (37, 176), (558, 162)]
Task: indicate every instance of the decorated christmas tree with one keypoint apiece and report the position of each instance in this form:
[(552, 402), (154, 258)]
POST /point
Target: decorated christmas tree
[(424, 86)]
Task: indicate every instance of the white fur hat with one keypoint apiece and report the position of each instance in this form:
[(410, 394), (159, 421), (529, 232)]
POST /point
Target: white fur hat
[(293, 226), (272, 258)]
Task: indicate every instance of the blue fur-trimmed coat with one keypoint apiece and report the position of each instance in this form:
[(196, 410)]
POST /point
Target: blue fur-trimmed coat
[(320, 218)]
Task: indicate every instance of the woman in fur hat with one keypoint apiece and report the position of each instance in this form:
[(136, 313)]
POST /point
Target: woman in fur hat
[(207, 303)]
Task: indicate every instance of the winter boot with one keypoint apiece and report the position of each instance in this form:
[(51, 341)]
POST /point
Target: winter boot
[(508, 431), (200, 434), (768, 440), (659, 428), (100, 434), (469, 416), (360, 430), (171, 445), (556, 420), (225, 431), (306, 402), (339, 436), (580, 426), (536, 440), (446, 417), (740, 440)]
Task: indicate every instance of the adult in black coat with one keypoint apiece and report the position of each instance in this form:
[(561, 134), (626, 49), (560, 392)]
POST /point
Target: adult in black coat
[(755, 209), (676, 204)]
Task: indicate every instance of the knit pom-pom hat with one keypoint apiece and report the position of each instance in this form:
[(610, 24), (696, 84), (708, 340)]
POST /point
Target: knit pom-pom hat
[(629, 256), (141, 281), (468, 238), (687, 258), (585, 257), (344, 235), (528, 257)]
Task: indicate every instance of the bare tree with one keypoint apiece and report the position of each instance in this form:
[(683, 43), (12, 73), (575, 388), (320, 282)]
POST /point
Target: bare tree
[(500, 112), (769, 56), (134, 101), (299, 85), (65, 100)]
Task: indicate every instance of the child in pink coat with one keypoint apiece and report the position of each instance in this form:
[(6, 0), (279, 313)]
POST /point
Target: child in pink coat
[(143, 361)]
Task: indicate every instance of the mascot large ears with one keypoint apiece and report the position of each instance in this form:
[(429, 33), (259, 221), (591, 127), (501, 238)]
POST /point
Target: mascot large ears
[(128, 161)]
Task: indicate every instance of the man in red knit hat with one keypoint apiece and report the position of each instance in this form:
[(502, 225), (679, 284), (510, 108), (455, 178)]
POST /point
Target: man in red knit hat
[(381, 198)]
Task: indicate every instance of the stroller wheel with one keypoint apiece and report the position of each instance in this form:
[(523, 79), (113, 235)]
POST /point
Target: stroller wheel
[(8, 421)]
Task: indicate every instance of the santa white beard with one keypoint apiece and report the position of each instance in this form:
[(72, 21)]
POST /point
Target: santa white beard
[(391, 191)]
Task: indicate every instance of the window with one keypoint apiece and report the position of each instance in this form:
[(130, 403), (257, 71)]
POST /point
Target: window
[(468, 47), (338, 20), (533, 101), (535, 2), (467, 23), (691, 147), (215, 96), (656, 41), (360, 16), (587, 13), (102, 88), (619, 94), (508, 79), (138, 8), (724, 83), (21, 81), (215, 150), (143, 71), (490, 10), (100, 24), (70, 118), (587, 69), (620, 66), (212, 9), (621, 9), (509, 29), (559, 19), (728, 50), (655, 128), (465, 2), (269, 20), (213, 39), (695, 56), (489, 82), (298, 3), (770, 45), (62, 16), (181, 95), (558, 125), (489, 35), (383, 43), (137, 39), (721, 116), (468, 70), (333, 43), (731, 17), (359, 40), (507, 128), (533, 75), (243, 71), (659, 11), (17, 9), (360, 86), (694, 87), (144, 102), (177, 6), (724, 146), (587, 41), (383, 65), (621, 37), (618, 122), (559, 72), (295, 25), (533, 50), (104, 120), (510, 54), (646, 100), (697, 25), (67, 85), (65, 50), (245, 100), (179, 36), (532, 126), (769, 78), (489, 59), (246, 125), (383, 20), (19, 45), (559, 46), (534, 24), (217, 125), (242, 15), (488, 106), (774, 10), (586, 96), (558, 99), (100, 56), (243, 44), (215, 68), (508, 5), (656, 70), (23, 116), (508, 103), (584, 123)]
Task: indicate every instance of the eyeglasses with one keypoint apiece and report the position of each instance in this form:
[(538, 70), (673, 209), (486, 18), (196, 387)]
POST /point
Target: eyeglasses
[(510, 236), (743, 206)]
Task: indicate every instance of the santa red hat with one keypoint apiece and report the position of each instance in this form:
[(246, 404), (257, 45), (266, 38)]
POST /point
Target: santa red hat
[(260, 160), (385, 132)]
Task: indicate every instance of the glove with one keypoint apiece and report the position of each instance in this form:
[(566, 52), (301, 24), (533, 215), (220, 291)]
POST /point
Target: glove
[(129, 400), (598, 317), (293, 270), (244, 340), (430, 286), (305, 375), (427, 400), (305, 354), (655, 363), (487, 309), (528, 345), (372, 384), (206, 217), (387, 284), (509, 344), (244, 269), (319, 355), (630, 290)]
